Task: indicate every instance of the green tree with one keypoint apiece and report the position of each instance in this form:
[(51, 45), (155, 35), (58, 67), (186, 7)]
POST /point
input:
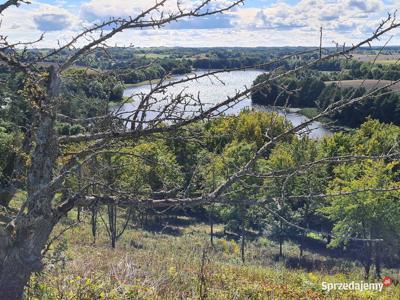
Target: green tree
[(359, 212), (291, 193)]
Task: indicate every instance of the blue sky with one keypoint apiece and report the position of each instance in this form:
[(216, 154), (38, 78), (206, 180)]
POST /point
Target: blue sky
[(256, 23)]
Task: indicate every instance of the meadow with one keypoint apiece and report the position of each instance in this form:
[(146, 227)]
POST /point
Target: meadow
[(385, 58), (368, 84), (178, 262)]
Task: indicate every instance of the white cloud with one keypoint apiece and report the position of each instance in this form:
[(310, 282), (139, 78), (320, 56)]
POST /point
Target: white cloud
[(342, 20), (39, 16), (52, 22), (366, 6), (275, 25), (310, 14), (103, 9)]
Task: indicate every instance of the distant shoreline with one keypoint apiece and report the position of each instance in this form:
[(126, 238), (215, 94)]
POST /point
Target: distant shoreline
[(305, 111)]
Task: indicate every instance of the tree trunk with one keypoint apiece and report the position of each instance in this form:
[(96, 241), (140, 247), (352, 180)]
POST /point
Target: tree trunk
[(29, 232), (78, 214), (378, 267), (242, 213), (243, 243), (367, 268), (301, 246), (280, 239), (94, 223), (15, 274), (79, 208), (211, 227), (378, 261), (112, 224), (367, 260), (22, 260)]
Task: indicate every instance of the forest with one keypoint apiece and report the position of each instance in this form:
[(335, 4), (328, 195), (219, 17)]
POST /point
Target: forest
[(151, 194), (329, 83)]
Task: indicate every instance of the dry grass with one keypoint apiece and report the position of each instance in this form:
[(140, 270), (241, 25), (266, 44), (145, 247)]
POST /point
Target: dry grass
[(368, 84), (148, 265), (393, 58)]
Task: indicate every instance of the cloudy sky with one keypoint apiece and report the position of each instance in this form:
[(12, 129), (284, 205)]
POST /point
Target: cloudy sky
[(256, 23)]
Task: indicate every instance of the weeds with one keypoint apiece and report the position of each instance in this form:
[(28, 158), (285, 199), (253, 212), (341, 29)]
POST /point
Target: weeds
[(182, 267)]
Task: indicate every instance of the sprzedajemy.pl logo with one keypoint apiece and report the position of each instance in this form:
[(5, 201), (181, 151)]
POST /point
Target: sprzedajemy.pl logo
[(359, 286)]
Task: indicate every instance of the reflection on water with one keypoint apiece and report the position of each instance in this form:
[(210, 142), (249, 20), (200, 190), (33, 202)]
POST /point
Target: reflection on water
[(212, 90), (315, 130)]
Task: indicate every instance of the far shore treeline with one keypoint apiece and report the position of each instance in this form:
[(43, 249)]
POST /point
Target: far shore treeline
[(313, 90)]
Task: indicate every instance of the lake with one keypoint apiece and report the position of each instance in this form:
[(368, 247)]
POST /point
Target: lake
[(214, 91)]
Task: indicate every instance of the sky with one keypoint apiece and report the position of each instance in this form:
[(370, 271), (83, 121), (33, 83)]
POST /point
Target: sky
[(266, 23)]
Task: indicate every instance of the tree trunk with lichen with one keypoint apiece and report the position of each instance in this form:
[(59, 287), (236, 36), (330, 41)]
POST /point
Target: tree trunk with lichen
[(25, 237)]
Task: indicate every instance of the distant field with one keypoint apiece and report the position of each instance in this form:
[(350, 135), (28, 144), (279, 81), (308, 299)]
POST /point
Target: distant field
[(382, 59), (151, 55), (368, 84)]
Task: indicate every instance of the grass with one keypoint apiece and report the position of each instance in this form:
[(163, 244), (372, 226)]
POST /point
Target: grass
[(151, 265), (388, 62), (388, 58), (312, 112), (368, 84), (125, 100)]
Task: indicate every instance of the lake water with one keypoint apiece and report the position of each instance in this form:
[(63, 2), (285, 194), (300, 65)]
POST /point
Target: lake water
[(212, 90)]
